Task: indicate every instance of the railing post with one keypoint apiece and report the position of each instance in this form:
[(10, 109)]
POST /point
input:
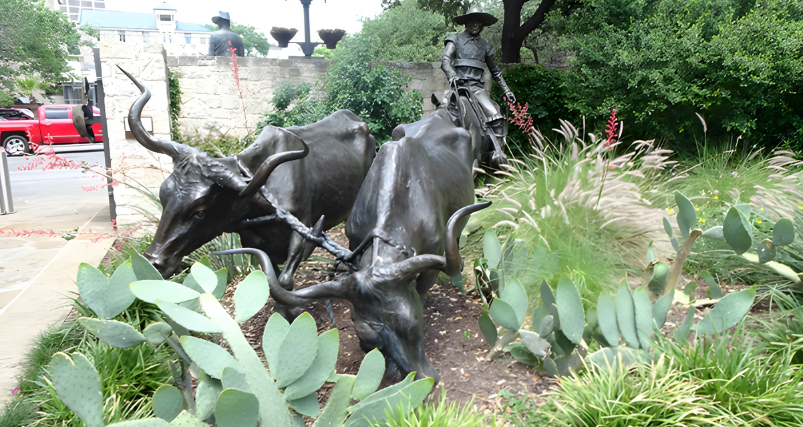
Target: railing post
[(101, 103), (6, 201)]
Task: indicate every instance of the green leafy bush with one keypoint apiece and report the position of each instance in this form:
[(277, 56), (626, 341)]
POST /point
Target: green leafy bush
[(542, 90), (355, 82), (658, 63), (373, 92)]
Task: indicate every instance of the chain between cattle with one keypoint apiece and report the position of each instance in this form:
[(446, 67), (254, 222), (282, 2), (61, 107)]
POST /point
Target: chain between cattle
[(323, 240)]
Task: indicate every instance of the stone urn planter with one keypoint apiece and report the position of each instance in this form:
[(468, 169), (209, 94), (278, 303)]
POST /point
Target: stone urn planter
[(331, 37), (283, 35)]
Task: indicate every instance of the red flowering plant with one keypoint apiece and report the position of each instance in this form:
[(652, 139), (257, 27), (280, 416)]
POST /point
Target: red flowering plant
[(236, 71)]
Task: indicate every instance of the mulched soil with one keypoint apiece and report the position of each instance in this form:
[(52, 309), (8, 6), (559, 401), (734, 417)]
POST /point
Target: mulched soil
[(452, 340)]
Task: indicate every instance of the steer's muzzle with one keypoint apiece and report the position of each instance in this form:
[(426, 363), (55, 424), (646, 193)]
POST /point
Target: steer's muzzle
[(166, 265)]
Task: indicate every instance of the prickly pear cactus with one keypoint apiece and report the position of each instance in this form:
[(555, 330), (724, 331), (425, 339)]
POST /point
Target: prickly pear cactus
[(233, 389), (623, 324)]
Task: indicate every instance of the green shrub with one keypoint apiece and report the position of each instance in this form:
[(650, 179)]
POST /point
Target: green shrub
[(354, 82), (373, 92), (658, 63), (440, 413), (6, 100), (542, 90), (657, 395)]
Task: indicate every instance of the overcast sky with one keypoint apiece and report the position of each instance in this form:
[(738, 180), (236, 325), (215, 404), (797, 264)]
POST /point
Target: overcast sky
[(264, 14)]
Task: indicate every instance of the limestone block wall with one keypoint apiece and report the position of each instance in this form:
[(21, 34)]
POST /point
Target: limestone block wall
[(210, 98), (133, 164)]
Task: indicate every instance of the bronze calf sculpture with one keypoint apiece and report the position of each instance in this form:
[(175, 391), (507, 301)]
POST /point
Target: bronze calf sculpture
[(255, 192), (411, 209)]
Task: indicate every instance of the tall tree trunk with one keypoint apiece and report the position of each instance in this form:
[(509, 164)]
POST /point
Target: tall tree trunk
[(514, 32)]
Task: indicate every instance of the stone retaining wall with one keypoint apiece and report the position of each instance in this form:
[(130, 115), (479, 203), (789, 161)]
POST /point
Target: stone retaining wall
[(210, 98)]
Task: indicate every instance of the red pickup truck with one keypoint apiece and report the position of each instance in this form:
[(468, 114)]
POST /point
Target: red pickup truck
[(54, 126)]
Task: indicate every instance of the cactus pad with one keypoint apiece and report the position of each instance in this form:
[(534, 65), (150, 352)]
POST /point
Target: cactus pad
[(112, 332), (78, 386)]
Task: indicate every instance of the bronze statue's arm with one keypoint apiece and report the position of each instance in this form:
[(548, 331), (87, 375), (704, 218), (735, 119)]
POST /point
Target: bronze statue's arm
[(497, 74), (449, 53)]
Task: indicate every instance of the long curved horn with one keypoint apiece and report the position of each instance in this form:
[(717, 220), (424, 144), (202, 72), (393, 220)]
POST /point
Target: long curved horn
[(263, 173), (326, 290), (449, 264), (170, 148)]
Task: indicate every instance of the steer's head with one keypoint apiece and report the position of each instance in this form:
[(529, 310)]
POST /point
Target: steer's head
[(387, 309), (204, 196)]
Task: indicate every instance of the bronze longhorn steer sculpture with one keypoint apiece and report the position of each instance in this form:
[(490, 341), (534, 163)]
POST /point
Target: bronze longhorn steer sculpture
[(487, 148), (411, 209), (255, 193)]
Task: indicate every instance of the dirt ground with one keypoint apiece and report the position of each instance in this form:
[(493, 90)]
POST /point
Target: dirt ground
[(452, 340)]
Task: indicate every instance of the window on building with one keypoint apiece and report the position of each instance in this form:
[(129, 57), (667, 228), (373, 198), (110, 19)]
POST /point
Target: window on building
[(64, 9), (170, 38), (122, 35), (146, 38), (74, 18), (56, 114), (86, 4), (166, 18), (74, 2), (164, 39), (75, 9), (100, 5), (188, 38), (203, 40)]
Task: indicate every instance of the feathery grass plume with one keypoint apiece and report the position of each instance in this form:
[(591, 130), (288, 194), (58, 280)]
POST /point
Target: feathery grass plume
[(587, 205)]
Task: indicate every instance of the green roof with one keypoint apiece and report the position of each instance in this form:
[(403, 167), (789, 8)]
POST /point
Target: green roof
[(131, 21)]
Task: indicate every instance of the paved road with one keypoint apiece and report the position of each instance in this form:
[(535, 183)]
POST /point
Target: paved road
[(45, 200)]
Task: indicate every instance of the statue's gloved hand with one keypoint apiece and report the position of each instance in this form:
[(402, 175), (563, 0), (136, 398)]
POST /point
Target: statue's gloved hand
[(510, 97), (455, 81)]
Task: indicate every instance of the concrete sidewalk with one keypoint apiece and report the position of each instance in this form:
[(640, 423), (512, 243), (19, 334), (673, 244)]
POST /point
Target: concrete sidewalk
[(37, 268), (46, 298)]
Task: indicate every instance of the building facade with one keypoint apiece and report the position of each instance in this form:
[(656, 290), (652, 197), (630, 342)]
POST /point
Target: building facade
[(161, 26)]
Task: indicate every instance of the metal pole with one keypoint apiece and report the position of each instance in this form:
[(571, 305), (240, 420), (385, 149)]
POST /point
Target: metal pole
[(306, 4), (101, 102), (6, 201)]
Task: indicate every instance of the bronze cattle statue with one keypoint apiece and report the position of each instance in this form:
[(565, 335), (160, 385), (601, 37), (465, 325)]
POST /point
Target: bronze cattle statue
[(252, 192), (411, 209)]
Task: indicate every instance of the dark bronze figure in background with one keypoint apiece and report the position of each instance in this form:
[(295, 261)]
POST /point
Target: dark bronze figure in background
[(219, 41), (258, 192), (464, 57)]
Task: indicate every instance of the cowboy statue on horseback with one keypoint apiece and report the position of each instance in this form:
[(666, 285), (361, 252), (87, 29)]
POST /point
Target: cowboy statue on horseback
[(464, 57)]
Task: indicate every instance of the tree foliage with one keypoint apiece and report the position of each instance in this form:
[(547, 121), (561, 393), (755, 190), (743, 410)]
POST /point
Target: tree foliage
[(254, 42), (354, 82), (34, 40), (407, 33), (448, 9), (735, 62)]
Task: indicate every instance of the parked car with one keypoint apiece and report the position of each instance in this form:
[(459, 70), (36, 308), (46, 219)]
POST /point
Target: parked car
[(16, 114), (54, 126)]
